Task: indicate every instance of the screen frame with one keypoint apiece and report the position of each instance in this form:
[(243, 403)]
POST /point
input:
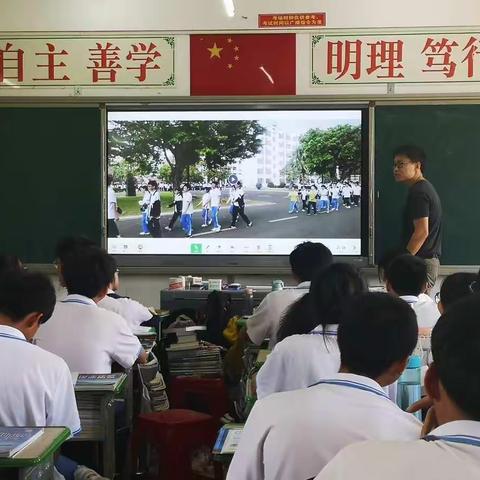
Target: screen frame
[(247, 264)]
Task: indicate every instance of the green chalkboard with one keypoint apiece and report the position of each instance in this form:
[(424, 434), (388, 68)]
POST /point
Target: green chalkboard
[(450, 135), (51, 178)]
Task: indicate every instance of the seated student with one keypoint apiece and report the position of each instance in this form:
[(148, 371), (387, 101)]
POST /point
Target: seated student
[(310, 350), (132, 311), (454, 288), (36, 389), (406, 277), (451, 450), (9, 263), (305, 259), (293, 435), (87, 337)]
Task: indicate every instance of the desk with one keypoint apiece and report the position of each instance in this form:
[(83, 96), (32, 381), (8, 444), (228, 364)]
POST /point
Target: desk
[(97, 417), (35, 462)]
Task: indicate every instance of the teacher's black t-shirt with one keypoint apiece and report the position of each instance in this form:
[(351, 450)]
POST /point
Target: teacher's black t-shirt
[(423, 201)]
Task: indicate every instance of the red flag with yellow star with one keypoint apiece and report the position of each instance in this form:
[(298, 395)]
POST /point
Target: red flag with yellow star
[(245, 64)]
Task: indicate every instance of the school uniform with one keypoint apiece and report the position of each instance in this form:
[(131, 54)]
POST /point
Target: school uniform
[(112, 214), (324, 203), (187, 212), (153, 213), (449, 452), (312, 201), (356, 191), (35, 385), (144, 203), (88, 337), (177, 210), (293, 435), (299, 361), (335, 195), (264, 323), (238, 206), (215, 197), (293, 197), (425, 308), (206, 199), (132, 311)]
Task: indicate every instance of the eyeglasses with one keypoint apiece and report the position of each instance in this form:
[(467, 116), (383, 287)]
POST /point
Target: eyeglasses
[(400, 164), (474, 287)]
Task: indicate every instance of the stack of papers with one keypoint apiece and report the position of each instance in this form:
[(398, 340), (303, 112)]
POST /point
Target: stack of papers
[(107, 382), (14, 439), (196, 360)]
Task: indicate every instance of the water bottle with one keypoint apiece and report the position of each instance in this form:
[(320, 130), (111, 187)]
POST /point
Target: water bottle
[(409, 385)]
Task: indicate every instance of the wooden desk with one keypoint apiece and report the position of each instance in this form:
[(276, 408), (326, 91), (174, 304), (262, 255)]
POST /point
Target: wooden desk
[(97, 418), (36, 461)]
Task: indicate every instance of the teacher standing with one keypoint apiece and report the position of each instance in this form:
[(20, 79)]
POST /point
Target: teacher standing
[(422, 218)]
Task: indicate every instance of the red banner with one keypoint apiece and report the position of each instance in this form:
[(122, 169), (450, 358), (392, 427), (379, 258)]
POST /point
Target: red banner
[(249, 64), (292, 20)]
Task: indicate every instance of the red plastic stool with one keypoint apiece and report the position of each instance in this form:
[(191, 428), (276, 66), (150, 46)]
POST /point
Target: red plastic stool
[(175, 434), (206, 395)]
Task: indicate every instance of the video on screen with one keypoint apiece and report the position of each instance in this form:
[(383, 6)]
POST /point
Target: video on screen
[(234, 182)]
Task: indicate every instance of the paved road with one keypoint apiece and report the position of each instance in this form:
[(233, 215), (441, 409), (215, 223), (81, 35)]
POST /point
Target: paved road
[(268, 211)]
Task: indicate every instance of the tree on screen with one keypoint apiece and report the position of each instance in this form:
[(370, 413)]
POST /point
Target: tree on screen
[(183, 144), (337, 149)]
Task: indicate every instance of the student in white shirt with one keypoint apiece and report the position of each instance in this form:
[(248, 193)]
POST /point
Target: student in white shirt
[(406, 277), (112, 209), (452, 449), (215, 199), (324, 204), (335, 193), (36, 387), (356, 192), (305, 260), (187, 209), (205, 204), (87, 337), (293, 435), (144, 203), (132, 311), (309, 349), (154, 209)]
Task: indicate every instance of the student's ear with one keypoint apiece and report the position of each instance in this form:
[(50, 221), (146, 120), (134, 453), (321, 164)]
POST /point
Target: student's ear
[(30, 324), (424, 287), (440, 307), (432, 382), (400, 366), (102, 293), (388, 286)]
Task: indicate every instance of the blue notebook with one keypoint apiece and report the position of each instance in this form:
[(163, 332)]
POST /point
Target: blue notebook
[(15, 439)]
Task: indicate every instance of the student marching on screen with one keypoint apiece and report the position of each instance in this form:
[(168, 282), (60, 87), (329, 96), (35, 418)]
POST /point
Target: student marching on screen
[(335, 192), (346, 193), (304, 197), (357, 191), (112, 210), (154, 209), (324, 202), (187, 209), (312, 200), (237, 197), (205, 204), (293, 197), (144, 202), (177, 208), (215, 198)]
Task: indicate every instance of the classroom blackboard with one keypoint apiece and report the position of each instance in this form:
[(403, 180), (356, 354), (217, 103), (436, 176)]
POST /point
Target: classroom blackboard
[(450, 135), (51, 178)]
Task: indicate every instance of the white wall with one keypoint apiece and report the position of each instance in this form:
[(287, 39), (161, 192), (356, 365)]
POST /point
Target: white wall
[(189, 15)]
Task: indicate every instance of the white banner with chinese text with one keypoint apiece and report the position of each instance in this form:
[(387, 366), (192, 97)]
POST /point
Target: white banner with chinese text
[(103, 61), (403, 58)]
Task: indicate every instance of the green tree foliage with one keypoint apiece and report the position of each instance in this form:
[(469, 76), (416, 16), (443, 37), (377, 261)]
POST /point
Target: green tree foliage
[(296, 170), (181, 144), (325, 150)]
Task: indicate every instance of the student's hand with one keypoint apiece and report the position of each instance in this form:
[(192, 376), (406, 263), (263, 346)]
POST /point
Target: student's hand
[(431, 421)]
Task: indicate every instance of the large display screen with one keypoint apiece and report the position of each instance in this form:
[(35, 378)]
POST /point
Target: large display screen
[(235, 182)]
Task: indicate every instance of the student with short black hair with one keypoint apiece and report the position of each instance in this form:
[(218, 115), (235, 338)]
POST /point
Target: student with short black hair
[(305, 259), (454, 288), (451, 450), (307, 348), (112, 210), (132, 311), (36, 387), (154, 209), (88, 337), (10, 263), (406, 277), (294, 434)]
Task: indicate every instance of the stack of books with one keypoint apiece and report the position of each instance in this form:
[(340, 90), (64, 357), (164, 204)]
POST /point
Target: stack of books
[(199, 359), (154, 383), (107, 382), (14, 439)]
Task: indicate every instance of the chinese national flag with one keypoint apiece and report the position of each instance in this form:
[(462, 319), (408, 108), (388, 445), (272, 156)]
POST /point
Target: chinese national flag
[(249, 64)]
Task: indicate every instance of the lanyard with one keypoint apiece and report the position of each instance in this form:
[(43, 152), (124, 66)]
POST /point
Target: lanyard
[(83, 302), (350, 384), (463, 439)]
